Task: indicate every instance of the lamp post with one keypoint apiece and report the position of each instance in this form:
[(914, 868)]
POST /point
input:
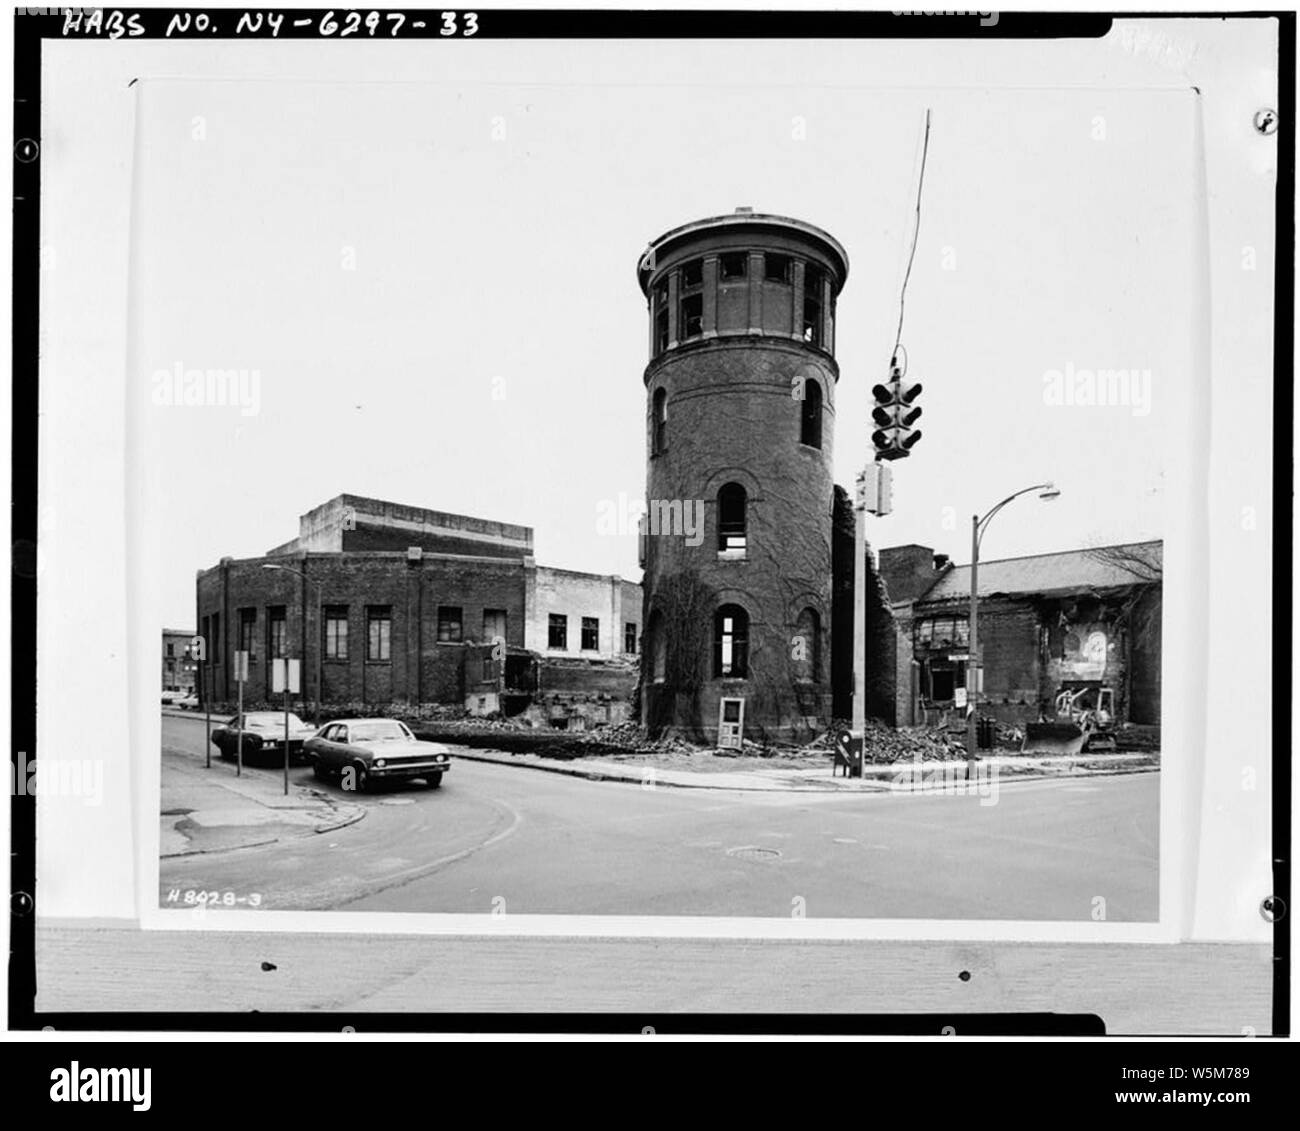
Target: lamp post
[(315, 585), (1047, 492)]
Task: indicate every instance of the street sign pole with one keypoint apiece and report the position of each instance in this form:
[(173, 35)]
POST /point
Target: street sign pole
[(207, 711), (241, 674), (285, 676), (239, 733), (285, 662)]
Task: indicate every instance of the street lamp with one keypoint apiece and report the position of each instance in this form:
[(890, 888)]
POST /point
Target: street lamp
[(315, 585), (1047, 492)]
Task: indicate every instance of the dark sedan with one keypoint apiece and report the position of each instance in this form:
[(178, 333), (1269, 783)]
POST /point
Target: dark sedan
[(263, 735), (362, 752)]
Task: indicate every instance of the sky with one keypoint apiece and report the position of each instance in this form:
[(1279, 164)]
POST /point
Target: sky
[(434, 280)]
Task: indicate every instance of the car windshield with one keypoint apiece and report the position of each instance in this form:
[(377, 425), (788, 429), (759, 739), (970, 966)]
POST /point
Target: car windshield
[(264, 721), (385, 730)]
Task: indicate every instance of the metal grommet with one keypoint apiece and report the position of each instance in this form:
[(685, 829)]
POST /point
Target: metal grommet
[(1272, 909), (26, 150), (20, 903), (1266, 121)]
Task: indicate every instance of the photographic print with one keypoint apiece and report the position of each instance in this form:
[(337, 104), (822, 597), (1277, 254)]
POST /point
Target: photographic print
[(772, 478), (763, 521)]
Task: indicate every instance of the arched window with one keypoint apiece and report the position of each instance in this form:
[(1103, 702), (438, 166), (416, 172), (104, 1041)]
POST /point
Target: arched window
[(657, 646), (810, 417), (659, 436), (731, 517), (730, 643), (806, 646)]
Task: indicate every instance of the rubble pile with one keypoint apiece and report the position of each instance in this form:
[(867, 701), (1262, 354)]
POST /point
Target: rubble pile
[(629, 738), (885, 744), (930, 744)]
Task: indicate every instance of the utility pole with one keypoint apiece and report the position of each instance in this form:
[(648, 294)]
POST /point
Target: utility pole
[(973, 651), (974, 669)]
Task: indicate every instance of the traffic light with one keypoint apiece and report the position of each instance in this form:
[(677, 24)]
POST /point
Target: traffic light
[(894, 414)]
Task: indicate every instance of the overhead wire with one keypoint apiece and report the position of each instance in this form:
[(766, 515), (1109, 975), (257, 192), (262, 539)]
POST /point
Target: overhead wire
[(916, 234)]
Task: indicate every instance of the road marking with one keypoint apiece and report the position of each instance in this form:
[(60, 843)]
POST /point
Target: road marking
[(422, 870)]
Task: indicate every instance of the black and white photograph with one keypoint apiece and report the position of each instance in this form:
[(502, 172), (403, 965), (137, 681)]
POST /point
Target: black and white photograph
[(781, 486), (616, 502)]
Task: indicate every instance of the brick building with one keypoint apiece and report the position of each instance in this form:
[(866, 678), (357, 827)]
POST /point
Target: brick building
[(414, 606), (740, 415), (1046, 623), (179, 666)]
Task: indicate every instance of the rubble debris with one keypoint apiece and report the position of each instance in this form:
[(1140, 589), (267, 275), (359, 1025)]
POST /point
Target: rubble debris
[(884, 744)]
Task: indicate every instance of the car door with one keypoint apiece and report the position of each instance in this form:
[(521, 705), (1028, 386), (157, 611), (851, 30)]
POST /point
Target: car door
[(341, 746), (333, 750)]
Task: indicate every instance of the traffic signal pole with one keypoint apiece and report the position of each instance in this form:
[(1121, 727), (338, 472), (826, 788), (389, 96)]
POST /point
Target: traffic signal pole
[(859, 728)]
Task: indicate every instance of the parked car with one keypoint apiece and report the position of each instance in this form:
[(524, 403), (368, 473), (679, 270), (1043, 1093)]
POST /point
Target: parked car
[(170, 696), (376, 750), (188, 702), (263, 734)]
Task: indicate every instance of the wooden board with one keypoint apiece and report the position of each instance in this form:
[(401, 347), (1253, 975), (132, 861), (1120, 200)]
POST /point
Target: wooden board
[(1201, 989)]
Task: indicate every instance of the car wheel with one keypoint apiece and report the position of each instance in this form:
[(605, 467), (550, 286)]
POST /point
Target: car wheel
[(319, 772), (434, 780), (362, 777), (227, 752)]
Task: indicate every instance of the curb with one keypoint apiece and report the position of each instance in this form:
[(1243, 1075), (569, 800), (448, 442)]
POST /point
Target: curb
[(352, 818), (873, 787), (357, 812), (342, 814)]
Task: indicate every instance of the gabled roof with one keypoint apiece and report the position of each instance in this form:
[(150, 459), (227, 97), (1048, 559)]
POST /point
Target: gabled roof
[(1099, 567)]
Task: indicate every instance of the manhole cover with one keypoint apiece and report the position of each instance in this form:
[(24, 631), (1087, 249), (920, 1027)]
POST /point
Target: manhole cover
[(754, 852)]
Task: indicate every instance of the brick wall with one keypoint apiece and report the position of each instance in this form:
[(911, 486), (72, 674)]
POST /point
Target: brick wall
[(418, 667), (732, 419), (1144, 678), (908, 571)]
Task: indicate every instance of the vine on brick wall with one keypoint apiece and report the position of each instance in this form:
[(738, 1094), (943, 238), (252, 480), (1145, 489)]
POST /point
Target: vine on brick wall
[(686, 605)]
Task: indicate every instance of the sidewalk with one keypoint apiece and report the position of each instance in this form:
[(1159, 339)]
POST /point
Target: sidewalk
[(211, 810), (903, 776)]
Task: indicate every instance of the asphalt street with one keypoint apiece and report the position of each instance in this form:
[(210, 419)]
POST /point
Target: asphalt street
[(497, 838)]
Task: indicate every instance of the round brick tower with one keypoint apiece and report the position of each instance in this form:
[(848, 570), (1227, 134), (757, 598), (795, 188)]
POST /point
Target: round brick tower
[(740, 411)]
